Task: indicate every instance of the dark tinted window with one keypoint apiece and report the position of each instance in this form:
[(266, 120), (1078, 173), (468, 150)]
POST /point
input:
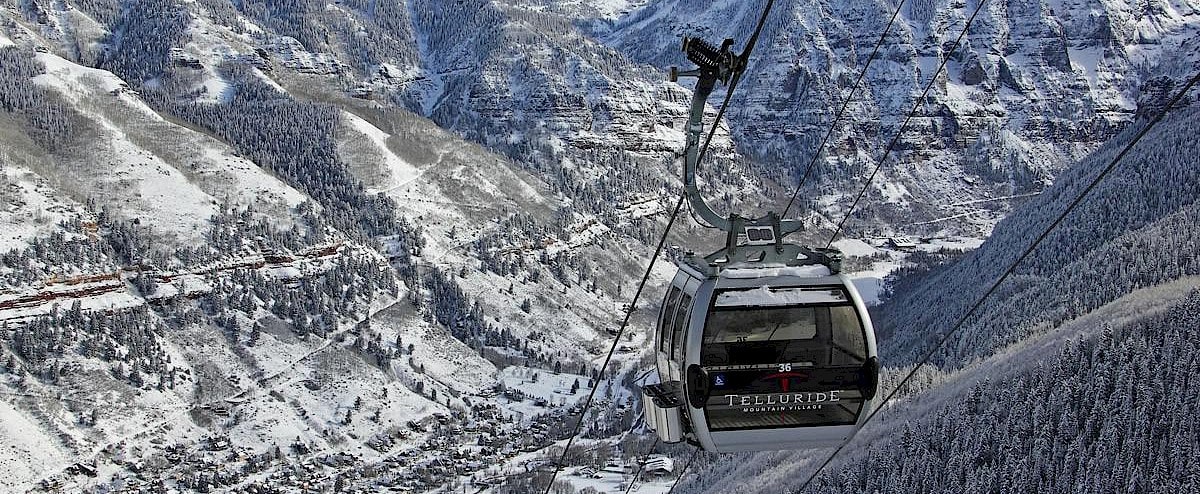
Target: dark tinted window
[(805, 335), (783, 357), (681, 322), (664, 322)]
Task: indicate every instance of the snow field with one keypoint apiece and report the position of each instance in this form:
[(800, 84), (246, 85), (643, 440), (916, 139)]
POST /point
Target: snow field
[(140, 183), (852, 247), (122, 415), (541, 384), (32, 210), (308, 413), (166, 175), (400, 171), (212, 44), (78, 83), (870, 282), (447, 362), (616, 482), (254, 185), (27, 451)]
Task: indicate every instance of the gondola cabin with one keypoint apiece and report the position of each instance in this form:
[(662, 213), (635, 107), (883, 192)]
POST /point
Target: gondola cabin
[(762, 345), (772, 351)]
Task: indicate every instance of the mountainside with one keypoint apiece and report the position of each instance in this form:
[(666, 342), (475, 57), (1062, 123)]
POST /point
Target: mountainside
[(269, 283), (1138, 228), (1075, 374), (577, 93), (272, 245)]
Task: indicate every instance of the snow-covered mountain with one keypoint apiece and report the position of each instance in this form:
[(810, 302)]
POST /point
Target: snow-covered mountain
[(260, 245), (561, 86), (1034, 87), (237, 277)]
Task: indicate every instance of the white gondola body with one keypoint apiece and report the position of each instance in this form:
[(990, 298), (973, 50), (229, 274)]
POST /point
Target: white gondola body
[(679, 345)]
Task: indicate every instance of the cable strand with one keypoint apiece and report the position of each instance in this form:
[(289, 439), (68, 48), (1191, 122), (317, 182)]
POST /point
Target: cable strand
[(733, 83), (612, 349), (642, 467), (658, 250), (695, 453)]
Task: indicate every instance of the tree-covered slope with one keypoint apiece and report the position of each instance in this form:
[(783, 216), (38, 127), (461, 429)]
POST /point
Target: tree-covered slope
[(243, 257), (1137, 228), (1112, 414)]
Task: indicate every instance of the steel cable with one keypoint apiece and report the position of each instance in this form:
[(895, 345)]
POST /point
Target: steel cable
[(841, 111)]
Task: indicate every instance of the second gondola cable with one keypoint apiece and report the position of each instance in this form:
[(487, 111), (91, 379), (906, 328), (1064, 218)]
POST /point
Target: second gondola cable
[(900, 132), (624, 323), (642, 466), (1012, 267), (695, 453), (812, 162), (743, 61)]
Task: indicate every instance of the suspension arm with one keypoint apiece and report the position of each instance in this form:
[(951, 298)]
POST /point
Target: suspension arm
[(715, 65)]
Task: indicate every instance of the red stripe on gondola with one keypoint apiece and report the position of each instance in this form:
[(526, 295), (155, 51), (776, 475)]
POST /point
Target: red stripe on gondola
[(784, 376)]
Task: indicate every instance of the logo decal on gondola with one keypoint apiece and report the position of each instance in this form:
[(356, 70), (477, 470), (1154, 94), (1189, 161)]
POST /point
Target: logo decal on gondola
[(777, 399), (785, 401)]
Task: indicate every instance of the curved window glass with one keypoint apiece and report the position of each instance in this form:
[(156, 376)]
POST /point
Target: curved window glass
[(664, 322), (776, 358), (824, 333), (681, 322)]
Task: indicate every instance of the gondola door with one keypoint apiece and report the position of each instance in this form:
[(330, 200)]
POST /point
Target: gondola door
[(673, 322)]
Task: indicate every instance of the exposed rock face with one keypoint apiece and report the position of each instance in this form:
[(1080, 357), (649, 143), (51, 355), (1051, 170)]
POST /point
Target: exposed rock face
[(1068, 66)]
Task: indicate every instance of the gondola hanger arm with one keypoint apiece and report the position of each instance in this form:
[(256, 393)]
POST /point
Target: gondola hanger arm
[(715, 65)]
